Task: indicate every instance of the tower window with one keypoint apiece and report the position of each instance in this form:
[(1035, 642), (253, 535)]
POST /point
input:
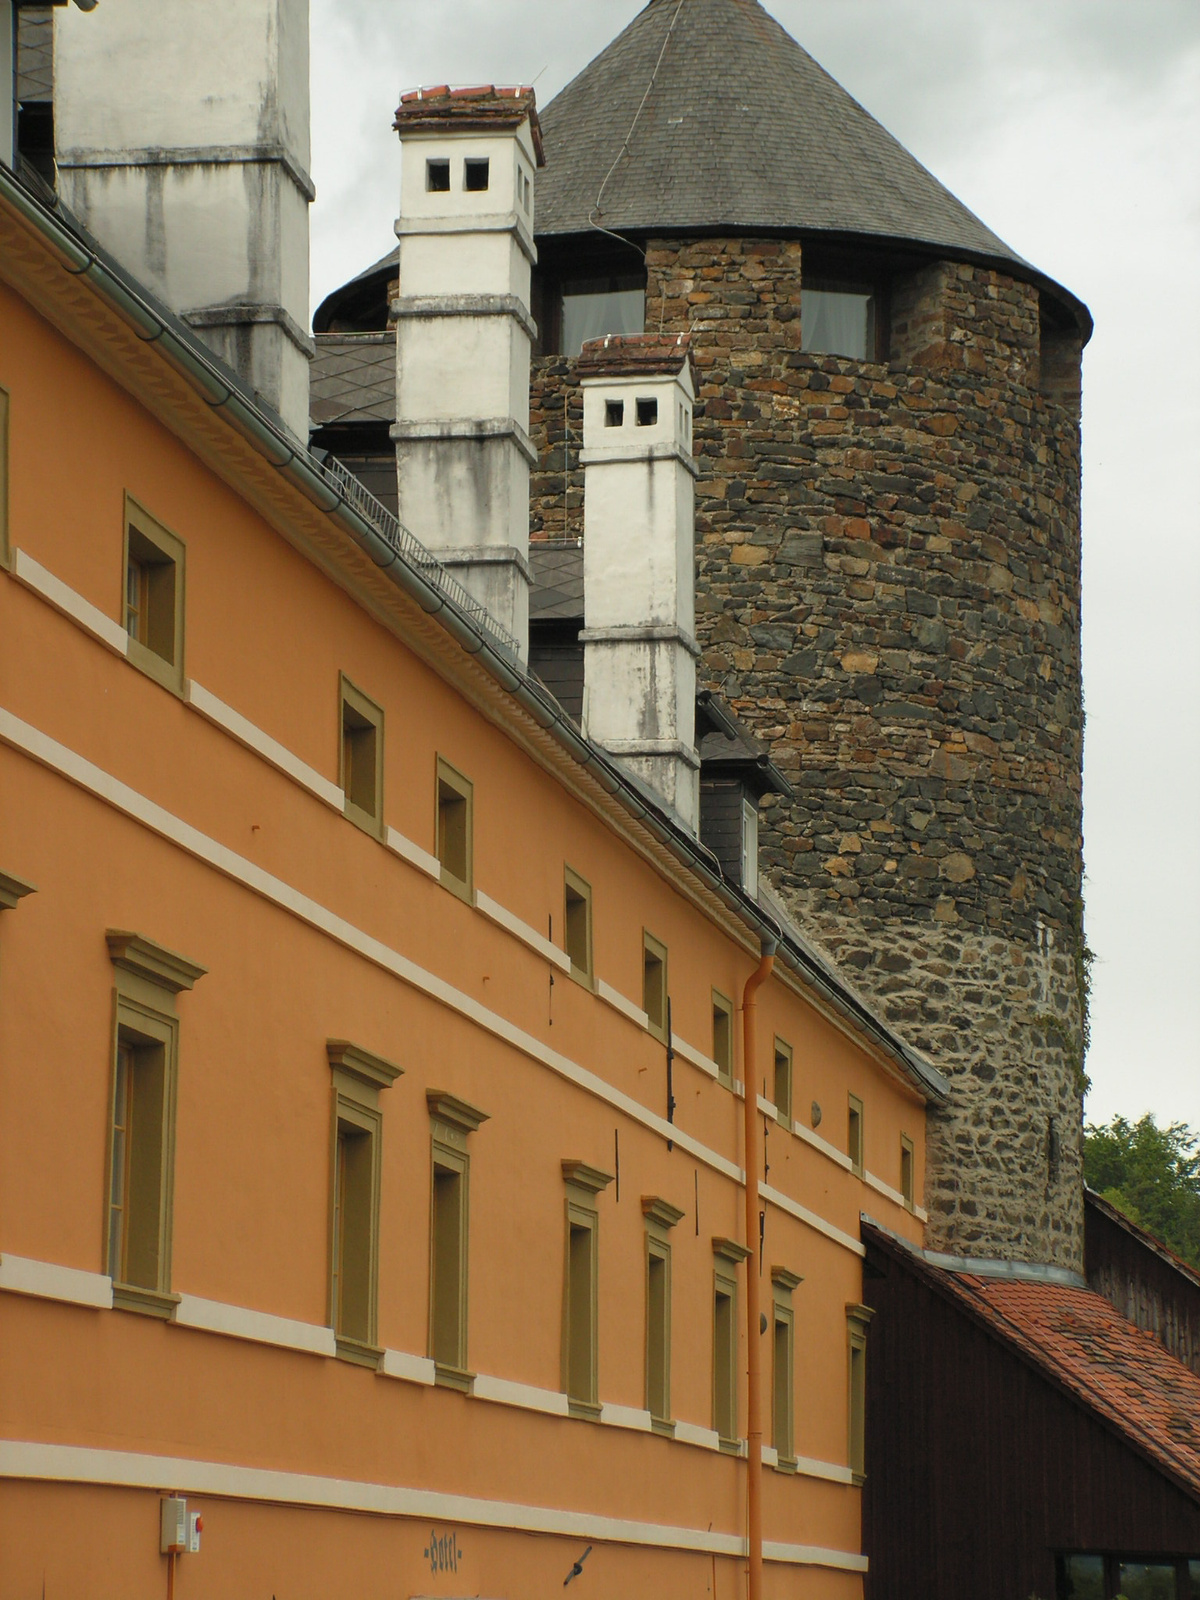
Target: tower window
[(361, 758), (647, 413), (475, 174), (577, 925), (437, 176), (654, 984), (592, 307), (614, 413), (838, 321), (455, 804)]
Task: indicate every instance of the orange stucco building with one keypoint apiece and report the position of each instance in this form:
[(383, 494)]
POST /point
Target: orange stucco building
[(342, 993)]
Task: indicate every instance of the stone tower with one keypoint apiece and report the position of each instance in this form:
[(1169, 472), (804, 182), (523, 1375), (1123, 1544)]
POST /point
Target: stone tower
[(887, 551)]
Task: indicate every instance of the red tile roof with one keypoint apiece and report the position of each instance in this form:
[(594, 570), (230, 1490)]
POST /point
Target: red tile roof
[(1084, 1345), (470, 110), (634, 355)]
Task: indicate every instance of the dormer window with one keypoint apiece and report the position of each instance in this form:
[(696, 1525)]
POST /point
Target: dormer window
[(838, 320), (437, 176), (475, 174)]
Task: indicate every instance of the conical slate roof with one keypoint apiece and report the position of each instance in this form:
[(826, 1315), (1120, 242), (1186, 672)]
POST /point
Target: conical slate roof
[(742, 130)]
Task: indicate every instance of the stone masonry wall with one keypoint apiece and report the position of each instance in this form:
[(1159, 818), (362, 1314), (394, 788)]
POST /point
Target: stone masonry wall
[(888, 592)]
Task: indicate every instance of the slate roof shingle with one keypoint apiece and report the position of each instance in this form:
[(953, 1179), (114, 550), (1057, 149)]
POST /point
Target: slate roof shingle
[(557, 589), (353, 378), (742, 129)]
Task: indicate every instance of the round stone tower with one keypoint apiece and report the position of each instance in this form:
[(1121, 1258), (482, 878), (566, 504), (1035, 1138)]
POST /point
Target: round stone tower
[(887, 551)]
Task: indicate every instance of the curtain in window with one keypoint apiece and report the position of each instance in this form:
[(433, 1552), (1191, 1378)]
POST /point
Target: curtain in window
[(835, 322)]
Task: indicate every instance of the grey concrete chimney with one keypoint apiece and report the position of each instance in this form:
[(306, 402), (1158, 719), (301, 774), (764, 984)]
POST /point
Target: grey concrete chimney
[(182, 143), (464, 337), (639, 587)]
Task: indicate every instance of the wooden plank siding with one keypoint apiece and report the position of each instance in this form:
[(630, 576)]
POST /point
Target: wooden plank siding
[(980, 1469), (1139, 1278)]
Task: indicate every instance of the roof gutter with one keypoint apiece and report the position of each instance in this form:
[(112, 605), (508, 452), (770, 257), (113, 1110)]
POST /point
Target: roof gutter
[(290, 458)]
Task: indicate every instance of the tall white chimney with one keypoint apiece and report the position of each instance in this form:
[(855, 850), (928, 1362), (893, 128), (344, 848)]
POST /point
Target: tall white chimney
[(464, 337), (182, 143), (639, 600)]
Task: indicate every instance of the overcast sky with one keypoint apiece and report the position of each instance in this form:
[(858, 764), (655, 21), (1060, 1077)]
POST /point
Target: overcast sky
[(1072, 127)]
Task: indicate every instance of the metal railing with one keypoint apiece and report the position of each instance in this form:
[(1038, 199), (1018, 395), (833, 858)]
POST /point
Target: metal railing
[(411, 551)]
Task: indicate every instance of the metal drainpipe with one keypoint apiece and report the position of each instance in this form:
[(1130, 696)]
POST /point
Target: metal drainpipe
[(753, 1311)]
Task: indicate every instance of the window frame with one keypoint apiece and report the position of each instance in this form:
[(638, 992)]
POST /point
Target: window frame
[(858, 1318), (583, 1184), (140, 527), (574, 884), (783, 1282), (784, 1109), (5, 544), (654, 948), (147, 977), (723, 1006), (463, 787), (357, 1077), (855, 1119), (908, 1172), (728, 1255), (451, 1120), (661, 1216), (351, 697)]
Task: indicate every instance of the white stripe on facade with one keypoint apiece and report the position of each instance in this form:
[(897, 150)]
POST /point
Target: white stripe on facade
[(61, 1463), (49, 1281), (72, 604), (214, 1316)]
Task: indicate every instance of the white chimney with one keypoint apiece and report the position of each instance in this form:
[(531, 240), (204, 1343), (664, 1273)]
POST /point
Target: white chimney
[(639, 603), (464, 337), (182, 143)]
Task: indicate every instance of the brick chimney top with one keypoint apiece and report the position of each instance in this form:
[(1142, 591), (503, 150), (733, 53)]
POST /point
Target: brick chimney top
[(472, 110), (636, 355)]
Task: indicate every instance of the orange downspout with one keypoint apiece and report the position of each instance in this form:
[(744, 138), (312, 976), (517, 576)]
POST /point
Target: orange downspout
[(753, 1336)]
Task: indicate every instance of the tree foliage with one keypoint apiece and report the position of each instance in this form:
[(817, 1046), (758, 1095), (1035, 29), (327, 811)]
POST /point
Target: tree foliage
[(1152, 1174)]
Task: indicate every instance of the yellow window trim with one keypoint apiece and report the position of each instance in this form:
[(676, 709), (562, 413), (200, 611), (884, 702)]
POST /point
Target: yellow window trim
[(573, 883), (370, 715)]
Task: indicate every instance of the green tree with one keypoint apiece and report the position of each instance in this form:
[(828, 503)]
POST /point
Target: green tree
[(1152, 1174)]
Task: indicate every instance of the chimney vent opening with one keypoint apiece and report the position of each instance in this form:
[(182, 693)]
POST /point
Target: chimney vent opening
[(614, 413), (647, 413), (437, 177), (475, 174)]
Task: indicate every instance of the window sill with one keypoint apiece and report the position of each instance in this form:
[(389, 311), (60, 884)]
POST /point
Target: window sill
[(663, 1426), (149, 1302), (585, 980), (463, 891), (786, 1464), (358, 1353), (729, 1447), (858, 1479), (164, 672), (453, 1378), (364, 820), (586, 1409)]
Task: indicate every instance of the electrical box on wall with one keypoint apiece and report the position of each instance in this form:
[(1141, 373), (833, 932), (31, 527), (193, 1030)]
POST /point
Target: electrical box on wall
[(195, 1526), (174, 1524)]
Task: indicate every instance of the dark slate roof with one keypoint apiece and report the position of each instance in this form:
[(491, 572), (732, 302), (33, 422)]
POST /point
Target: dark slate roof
[(742, 129), (353, 378), (557, 591), (1075, 1338)]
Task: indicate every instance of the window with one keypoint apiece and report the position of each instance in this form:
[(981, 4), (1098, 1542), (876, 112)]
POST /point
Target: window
[(580, 1288), (727, 1254), (614, 413), (857, 1319), (5, 556), (854, 1134), (661, 1216), (147, 978), (452, 1120), (577, 926), (358, 1077), (783, 1082), (750, 846), (647, 413), (783, 1343), (592, 307), (360, 769), (838, 321), (654, 984), (437, 176), (153, 609), (455, 806), (722, 1011), (475, 174), (906, 1170)]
